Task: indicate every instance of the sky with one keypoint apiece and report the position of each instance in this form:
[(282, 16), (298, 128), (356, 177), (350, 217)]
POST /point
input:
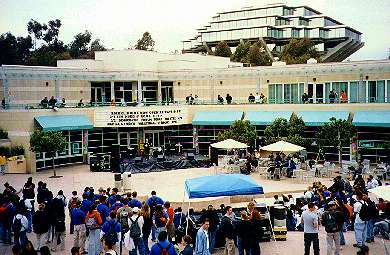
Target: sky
[(120, 23)]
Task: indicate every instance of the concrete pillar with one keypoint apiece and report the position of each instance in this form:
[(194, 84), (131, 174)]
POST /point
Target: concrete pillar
[(139, 91), (6, 91), (159, 92), (112, 91), (57, 90)]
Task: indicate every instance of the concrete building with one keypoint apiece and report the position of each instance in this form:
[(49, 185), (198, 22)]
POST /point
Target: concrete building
[(274, 25), (132, 96)]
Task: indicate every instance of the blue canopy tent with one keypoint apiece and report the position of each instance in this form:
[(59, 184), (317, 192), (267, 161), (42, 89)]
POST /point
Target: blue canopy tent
[(222, 185)]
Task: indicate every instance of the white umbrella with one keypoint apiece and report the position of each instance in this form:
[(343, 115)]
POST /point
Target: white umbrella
[(283, 146), (229, 144), (381, 192)]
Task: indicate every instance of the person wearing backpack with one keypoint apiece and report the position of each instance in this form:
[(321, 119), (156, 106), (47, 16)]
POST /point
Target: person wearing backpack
[(160, 219), (59, 233), (136, 222), (163, 246), (134, 202), (152, 202), (123, 214), (71, 205), (333, 222), (78, 220), (103, 208), (373, 217), (19, 227), (360, 209), (93, 222), (111, 230)]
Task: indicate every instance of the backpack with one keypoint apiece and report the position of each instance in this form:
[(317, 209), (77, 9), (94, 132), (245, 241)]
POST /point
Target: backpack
[(330, 223), (112, 235), (17, 226), (364, 213), (123, 218), (164, 251), (135, 230), (91, 223), (154, 204)]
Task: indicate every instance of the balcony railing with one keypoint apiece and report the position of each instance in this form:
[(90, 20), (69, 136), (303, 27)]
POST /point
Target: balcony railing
[(197, 102)]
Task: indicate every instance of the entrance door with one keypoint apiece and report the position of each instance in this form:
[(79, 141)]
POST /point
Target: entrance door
[(320, 93), (96, 95), (154, 138), (167, 94), (310, 92)]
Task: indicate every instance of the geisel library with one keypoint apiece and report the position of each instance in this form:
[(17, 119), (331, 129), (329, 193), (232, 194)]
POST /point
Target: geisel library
[(148, 91)]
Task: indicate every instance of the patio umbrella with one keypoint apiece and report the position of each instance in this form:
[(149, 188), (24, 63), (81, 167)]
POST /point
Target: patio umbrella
[(283, 146), (229, 144), (381, 192)]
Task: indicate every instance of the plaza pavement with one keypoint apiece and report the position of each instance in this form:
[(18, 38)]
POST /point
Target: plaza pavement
[(170, 186)]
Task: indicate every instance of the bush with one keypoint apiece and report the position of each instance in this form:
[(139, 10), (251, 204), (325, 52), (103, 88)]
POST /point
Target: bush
[(3, 134), (13, 151)]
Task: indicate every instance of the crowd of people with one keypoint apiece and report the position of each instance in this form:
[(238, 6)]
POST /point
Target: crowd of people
[(107, 221), (53, 102)]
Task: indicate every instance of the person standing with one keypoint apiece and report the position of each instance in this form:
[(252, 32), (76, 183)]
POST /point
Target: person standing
[(333, 222), (78, 220), (147, 227), (243, 230), (20, 226), (227, 231), (136, 222), (202, 244), (310, 225), (212, 215), (93, 222), (373, 217), (229, 99), (40, 225), (160, 219), (152, 202), (111, 230), (360, 225), (163, 246)]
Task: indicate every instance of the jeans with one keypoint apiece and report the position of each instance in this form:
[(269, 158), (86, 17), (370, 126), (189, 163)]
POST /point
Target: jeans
[(5, 232), (212, 240), (145, 238), (29, 219), (41, 239), (360, 233), (330, 238), (383, 228), (308, 239), (94, 246), (79, 236), (241, 249), (342, 238), (20, 238), (230, 249), (153, 233), (139, 244), (370, 230)]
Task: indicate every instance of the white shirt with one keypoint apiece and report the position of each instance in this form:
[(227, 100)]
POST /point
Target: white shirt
[(24, 221), (372, 184), (140, 221), (257, 98), (207, 238), (356, 209)]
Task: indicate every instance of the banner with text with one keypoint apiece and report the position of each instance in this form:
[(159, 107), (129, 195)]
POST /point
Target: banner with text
[(140, 117)]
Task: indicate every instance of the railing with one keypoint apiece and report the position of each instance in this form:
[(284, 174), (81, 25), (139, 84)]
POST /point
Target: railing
[(197, 102)]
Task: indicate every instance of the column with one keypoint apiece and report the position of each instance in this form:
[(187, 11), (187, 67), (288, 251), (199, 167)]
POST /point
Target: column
[(6, 92), (159, 93), (57, 90), (139, 91), (314, 93), (112, 91), (367, 94)]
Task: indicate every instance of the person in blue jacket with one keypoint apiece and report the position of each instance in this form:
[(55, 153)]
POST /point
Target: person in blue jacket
[(79, 234), (109, 224), (152, 202), (103, 209)]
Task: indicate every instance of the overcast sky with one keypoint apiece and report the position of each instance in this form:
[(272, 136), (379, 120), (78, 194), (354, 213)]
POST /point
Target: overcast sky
[(119, 23)]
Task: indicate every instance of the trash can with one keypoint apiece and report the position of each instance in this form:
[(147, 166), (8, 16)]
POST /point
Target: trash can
[(118, 182), (127, 185)]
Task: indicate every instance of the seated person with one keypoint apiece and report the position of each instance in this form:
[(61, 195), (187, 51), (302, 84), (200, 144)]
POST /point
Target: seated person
[(290, 167), (271, 167), (382, 227)]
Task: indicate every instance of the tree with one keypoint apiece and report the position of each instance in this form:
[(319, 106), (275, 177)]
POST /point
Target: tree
[(44, 56), (241, 52), (257, 56), (276, 131), (240, 130), (223, 50), (52, 31), (298, 51), (14, 51), (50, 142), (336, 133), (79, 46), (37, 29), (291, 131), (97, 46), (145, 43)]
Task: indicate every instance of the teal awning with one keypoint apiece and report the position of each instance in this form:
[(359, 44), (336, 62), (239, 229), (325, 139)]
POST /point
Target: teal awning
[(317, 118), (372, 119), (64, 122), (215, 118), (266, 118)]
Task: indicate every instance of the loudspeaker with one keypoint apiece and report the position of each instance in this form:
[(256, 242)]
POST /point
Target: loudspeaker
[(137, 160), (160, 158), (190, 156), (94, 165)]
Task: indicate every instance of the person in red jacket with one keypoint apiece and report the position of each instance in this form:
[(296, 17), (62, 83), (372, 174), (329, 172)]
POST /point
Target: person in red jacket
[(93, 222)]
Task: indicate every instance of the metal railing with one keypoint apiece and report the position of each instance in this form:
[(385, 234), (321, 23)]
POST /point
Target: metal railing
[(197, 102)]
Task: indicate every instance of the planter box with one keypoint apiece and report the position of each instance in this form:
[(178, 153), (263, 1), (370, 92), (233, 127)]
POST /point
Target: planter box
[(16, 167)]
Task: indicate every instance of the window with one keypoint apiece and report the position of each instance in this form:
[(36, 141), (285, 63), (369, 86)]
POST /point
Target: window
[(376, 91), (340, 86), (275, 93), (295, 33), (291, 93), (388, 92)]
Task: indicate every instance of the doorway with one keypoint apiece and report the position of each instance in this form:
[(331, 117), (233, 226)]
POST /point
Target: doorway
[(154, 138)]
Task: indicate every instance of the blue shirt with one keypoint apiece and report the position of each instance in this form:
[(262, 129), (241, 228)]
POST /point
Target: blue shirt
[(106, 226), (78, 216), (155, 250), (116, 205), (178, 218), (135, 203), (158, 200), (111, 200), (86, 205), (104, 211)]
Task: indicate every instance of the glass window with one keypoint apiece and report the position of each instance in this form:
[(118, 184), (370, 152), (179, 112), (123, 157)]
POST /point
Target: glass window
[(380, 91), (362, 92), (353, 92), (388, 92), (371, 91)]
